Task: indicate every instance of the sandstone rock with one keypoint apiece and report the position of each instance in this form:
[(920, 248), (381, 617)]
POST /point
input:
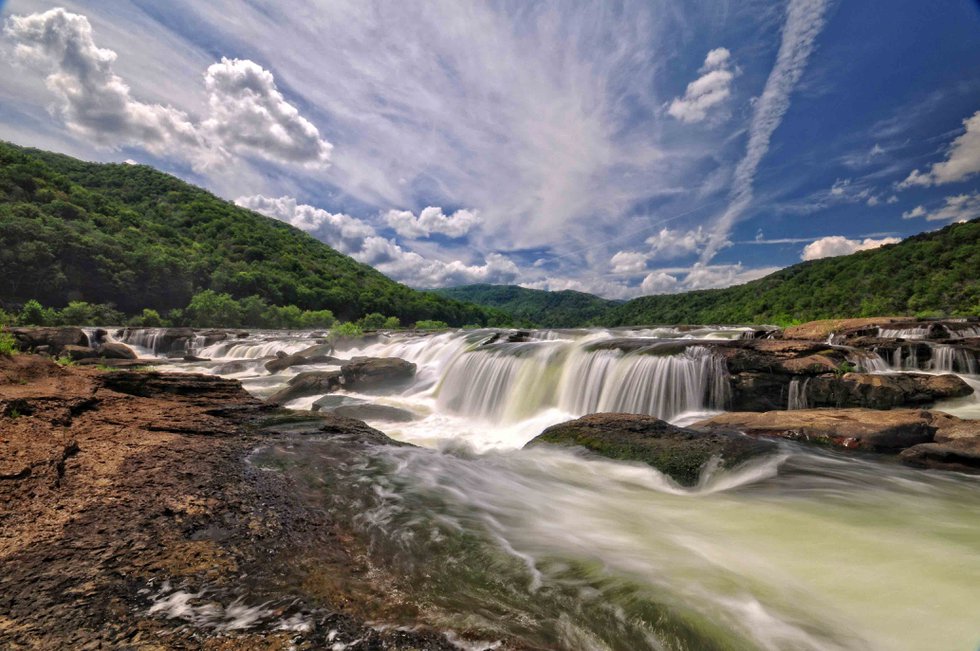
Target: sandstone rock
[(308, 383), (680, 453), (116, 351), (961, 455), (861, 429), (369, 411), (377, 373), (55, 339), (288, 361), (883, 391), (76, 353)]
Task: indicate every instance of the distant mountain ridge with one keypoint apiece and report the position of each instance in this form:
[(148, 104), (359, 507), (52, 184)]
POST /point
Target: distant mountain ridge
[(139, 238), (537, 307), (930, 274)]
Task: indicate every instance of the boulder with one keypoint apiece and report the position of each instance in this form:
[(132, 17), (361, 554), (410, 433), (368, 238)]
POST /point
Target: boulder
[(377, 373), (318, 350), (309, 383), (287, 361), (229, 368), (116, 351), (959, 455), (76, 353), (859, 429), (822, 330), (295, 422), (169, 340), (678, 452), (369, 411), (31, 338), (883, 391)]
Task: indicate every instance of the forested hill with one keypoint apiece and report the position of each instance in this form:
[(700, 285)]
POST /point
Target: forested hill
[(534, 306), (138, 238), (931, 274)]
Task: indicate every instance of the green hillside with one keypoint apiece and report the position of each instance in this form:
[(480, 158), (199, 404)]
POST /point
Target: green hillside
[(137, 238), (931, 274), (534, 306)]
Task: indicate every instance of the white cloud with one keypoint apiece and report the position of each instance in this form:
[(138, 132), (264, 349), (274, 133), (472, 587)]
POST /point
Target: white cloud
[(432, 220), (628, 262), (94, 101), (873, 201), (892, 199), (669, 244), (249, 115), (962, 161), (706, 92), (804, 20), (360, 240), (957, 208), (658, 282), (702, 276), (834, 245)]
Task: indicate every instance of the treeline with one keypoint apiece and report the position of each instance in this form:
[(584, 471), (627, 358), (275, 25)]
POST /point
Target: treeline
[(535, 307), (136, 238), (928, 275), (207, 309)]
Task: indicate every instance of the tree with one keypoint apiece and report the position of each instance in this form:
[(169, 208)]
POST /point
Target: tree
[(392, 323), (373, 321), (209, 309), (34, 314)]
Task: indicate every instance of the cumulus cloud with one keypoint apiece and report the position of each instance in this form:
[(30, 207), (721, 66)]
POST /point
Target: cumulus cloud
[(659, 282), (432, 220), (249, 115), (705, 276), (706, 92), (804, 21), (92, 99), (628, 262), (957, 208), (247, 112), (962, 161), (834, 245), (669, 243), (360, 240)]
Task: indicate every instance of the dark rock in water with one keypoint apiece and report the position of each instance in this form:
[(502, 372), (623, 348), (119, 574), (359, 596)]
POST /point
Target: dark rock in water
[(121, 363), (319, 350), (883, 391), (285, 361), (857, 429), (76, 353), (29, 339), (195, 358), (309, 383), (368, 374), (369, 411), (961, 456), (332, 401), (680, 453), (759, 391), (229, 368), (116, 351), (376, 373), (98, 337), (291, 422)]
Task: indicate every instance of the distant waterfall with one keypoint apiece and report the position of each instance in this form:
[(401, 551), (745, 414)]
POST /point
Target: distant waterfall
[(951, 359), (797, 394), (148, 342), (508, 382)]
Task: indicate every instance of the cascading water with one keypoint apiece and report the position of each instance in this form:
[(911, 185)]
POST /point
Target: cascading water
[(951, 359), (797, 394)]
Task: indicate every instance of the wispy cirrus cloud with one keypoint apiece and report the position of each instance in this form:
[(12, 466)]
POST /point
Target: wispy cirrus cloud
[(962, 160)]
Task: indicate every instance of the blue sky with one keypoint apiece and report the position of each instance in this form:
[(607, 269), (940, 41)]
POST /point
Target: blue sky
[(621, 148)]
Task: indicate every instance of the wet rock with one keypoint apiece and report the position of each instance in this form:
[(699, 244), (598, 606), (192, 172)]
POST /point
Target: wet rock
[(169, 340), (192, 388), (859, 429), (76, 353), (377, 373), (288, 361), (883, 391), (115, 351), (678, 452), (369, 411), (331, 402), (121, 363), (319, 423), (230, 368), (55, 339), (319, 350), (961, 455), (308, 383)]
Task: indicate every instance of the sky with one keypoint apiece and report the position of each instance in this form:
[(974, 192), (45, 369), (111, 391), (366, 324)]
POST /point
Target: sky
[(620, 148)]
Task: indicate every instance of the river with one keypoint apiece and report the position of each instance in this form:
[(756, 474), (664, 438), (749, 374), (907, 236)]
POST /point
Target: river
[(806, 549)]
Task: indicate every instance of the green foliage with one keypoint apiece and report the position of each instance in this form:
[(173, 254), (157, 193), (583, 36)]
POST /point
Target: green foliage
[(64, 360), (34, 314), (8, 344), (373, 321), (318, 319), (535, 307), (392, 323), (148, 319), (80, 313), (139, 238), (209, 309), (934, 273), (347, 329), (430, 325)]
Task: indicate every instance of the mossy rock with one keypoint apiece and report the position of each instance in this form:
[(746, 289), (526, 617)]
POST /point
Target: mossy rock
[(677, 452)]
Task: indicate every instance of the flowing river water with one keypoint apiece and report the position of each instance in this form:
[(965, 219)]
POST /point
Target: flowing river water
[(806, 549)]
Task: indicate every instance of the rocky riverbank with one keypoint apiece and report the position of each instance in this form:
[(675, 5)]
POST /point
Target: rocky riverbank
[(131, 518)]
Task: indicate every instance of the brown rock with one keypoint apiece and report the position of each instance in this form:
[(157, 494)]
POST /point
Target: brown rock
[(30, 338), (883, 391)]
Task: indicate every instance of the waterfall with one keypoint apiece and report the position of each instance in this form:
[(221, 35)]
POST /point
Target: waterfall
[(147, 342), (903, 333), (951, 359), (797, 394), (508, 382)]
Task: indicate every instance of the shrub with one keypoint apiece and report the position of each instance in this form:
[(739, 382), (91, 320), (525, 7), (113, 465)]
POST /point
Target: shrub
[(373, 321), (347, 329), (148, 319), (392, 323), (34, 314), (430, 325), (8, 344)]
